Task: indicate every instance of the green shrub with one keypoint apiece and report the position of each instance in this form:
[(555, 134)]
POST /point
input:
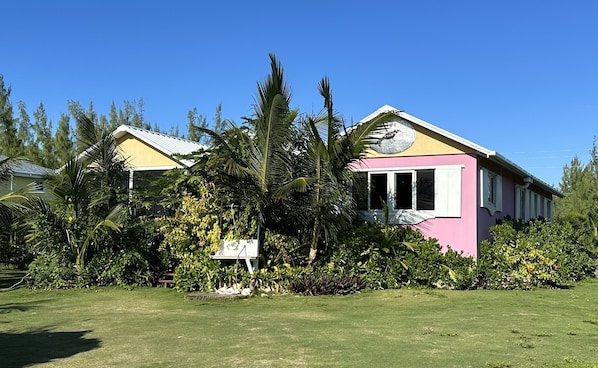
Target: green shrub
[(197, 271), (279, 249), (537, 254), (124, 268), (52, 271), (374, 252), (427, 267)]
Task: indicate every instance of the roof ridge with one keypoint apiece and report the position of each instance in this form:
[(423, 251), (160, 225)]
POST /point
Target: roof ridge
[(159, 133)]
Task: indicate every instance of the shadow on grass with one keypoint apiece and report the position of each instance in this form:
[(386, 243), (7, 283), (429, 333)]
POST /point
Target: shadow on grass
[(20, 349), (19, 307)]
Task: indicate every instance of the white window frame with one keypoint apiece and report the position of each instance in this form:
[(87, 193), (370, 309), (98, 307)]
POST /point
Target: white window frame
[(521, 209), (490, 191), (447, 192), (414, 194)]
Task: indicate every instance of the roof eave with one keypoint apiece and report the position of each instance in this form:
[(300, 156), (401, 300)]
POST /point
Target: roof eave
[(513, 167), (480, 150)]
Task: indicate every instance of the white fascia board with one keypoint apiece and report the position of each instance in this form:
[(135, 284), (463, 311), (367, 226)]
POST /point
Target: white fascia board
[(490, 154), (155, 168), (386, 109), (505, 162), (476, 147)]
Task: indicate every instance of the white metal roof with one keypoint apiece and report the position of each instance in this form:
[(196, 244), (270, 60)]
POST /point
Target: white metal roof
[(490, 154), (24, 168), (166, 144)]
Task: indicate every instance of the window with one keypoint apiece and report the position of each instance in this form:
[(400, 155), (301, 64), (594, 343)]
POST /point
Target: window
[(423, 197), (403, 191), (491, 191), (417, 193), (360, 190), (548, 208), (536, 206), (521, 207), (378, 191), (425, 190), (37, 187)]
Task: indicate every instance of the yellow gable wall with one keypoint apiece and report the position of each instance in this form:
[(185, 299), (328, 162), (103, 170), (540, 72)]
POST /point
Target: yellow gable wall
[(426, 143), (139, 154)]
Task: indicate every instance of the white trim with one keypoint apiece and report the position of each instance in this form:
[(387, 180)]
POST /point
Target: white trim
[(405, 168), (447, 194), (155, 168), (490, 154), (487, 178), (389, 109)]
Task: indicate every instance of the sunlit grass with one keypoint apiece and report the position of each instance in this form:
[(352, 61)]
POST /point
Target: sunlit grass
[(397, 328)]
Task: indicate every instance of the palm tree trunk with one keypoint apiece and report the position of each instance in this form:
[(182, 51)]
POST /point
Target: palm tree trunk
[(313, 249)]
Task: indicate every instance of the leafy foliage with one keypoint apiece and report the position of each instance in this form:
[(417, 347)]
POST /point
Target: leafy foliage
[(536, 254)]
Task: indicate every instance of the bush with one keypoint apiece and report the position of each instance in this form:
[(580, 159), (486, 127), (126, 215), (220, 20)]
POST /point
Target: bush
[(124, 268), (462, 270), (52, 271), (391, 256), (375, 253), (536, 254)]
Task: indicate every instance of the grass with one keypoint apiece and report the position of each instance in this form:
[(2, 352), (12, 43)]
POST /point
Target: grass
[(158, 327)]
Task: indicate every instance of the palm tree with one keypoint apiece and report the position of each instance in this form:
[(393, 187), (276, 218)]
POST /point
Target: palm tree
[(12, 206), (84, 202), (331, 157), (260, 157)]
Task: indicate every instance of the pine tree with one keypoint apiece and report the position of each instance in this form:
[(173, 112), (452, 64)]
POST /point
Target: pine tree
[(63, 140), (218, 123), (24, 133), (75, 109), (9, 143), (43, 138), (579, 183), (194, 119), (114, 121)]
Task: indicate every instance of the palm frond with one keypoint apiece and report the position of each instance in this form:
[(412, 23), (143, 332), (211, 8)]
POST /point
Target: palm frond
[(268, 156), (300, 185), (71, 185)]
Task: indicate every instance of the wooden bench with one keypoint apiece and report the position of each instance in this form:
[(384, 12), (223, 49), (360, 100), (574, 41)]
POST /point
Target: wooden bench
[(167, 280), (235, 250)]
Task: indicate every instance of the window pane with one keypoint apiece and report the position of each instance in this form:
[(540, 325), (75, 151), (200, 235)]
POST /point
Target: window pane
[(491, 188), (360, 190), (425, 189), (403, 191), (378, 191)]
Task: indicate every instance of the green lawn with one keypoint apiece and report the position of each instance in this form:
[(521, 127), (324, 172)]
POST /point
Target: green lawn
[(158, 327)]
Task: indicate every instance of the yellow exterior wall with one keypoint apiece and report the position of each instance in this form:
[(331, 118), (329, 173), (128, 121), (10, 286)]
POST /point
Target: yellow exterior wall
[(139, 154), (426, 143)]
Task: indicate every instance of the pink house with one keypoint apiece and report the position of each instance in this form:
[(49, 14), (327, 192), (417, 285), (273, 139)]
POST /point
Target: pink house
[(449, 188)]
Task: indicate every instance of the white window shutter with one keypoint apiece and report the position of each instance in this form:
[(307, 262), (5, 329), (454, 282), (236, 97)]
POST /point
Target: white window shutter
[(447, 183), (484, 181)]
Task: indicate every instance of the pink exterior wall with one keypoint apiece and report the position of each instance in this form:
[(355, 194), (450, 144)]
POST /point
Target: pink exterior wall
[(459, 233), (485, 219)]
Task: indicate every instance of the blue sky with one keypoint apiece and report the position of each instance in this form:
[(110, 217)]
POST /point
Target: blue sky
[(519, 77)]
